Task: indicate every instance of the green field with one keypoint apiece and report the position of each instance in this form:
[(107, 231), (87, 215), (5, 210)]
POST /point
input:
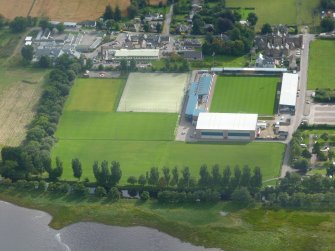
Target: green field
[(245, 95), (137, 157), (141, 140), (289, 12), (321, 72)]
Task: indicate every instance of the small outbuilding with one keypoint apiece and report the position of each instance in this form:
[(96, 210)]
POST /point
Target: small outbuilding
[(226, 126)]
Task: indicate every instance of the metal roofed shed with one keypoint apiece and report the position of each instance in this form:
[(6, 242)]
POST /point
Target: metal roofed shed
[(137, 54), (288, 93), (226, 126)]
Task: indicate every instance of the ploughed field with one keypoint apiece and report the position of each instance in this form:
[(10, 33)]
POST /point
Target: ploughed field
[(62, 10)]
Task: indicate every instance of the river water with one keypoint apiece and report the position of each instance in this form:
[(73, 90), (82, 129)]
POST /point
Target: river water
[(27, 230)]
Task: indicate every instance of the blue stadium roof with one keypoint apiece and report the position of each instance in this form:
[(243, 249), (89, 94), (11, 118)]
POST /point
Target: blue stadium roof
[(192, 99), (204, 84), (197, 89)]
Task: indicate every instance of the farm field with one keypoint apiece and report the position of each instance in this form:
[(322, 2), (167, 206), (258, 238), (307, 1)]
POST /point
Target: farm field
[(62, 10), (19, 92), (141, 140), (137, 157), (245, 95), (14, 8), (321, 67), (289, 12), (153, 92)]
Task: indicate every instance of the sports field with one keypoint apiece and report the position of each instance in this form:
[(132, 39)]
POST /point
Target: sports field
[(89, 114), (141, 140), (153, 92), (137, 157), (321, 73), (289, 12), (245, 95)]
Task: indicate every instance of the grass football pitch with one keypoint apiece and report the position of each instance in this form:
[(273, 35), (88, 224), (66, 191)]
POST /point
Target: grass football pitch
[(289, 12), (245, 95), (153, 92), (141, 140), (321, 67)]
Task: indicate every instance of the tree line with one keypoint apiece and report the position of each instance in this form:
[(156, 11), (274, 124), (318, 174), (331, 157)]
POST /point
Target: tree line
[(33, 156)]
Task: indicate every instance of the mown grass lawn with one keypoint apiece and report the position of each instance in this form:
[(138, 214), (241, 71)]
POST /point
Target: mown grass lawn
[(291, 12), (137, 157), (245, 95), (200, 224), (321, 67)]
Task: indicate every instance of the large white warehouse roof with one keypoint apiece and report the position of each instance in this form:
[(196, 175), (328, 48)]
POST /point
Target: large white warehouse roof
[(227, 121), (289, 88), (137, 53)]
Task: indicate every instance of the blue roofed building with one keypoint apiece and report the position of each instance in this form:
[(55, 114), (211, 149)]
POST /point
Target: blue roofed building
[(198, 95)]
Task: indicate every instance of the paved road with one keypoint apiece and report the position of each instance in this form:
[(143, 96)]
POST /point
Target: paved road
[(296, 120), (167, 22)]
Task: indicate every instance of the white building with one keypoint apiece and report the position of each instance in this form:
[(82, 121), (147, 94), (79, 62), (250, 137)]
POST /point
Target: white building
[(288, 93), (136, 54), (226, 126)]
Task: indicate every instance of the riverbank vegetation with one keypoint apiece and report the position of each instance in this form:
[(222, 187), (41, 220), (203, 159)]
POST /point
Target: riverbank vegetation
[(223, 225)]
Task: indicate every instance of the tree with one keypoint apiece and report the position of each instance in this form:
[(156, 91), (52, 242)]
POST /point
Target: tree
[(114, 194), (19, 24), (186, 176), (154, 176), (117, 14), (132, 11), (146, 27), (166, 175), (175, 176), (44, 62), (44, 23), (142, 180), (197, 25), (306, 154), (301, 164), (2, 21), (27, 53), (145, 195), (102, 174), (252, 18), (246, 176), (132, 64), (77, 168), (55, 173), (242, 196), (257, 179), (205, 177), (327, 24), (331, 154), (60, 27), (132, 180), (124, 65), (330, 169), (223, 25), (108, 14), (159, 27), (100, 191), (116, 173), (266, 28), (216, 175)]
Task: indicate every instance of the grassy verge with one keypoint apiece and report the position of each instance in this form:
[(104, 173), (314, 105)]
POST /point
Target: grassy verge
[(221, 61), (321, 72), (240, 229)]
